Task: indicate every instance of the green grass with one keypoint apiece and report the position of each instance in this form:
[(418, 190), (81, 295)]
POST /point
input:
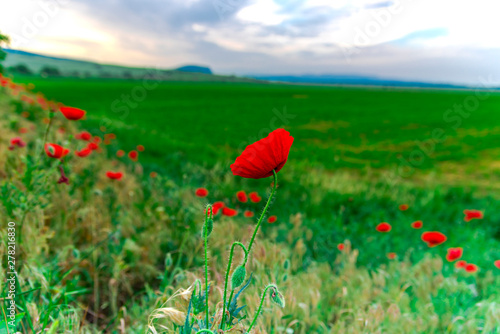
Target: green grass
[(333, 188)]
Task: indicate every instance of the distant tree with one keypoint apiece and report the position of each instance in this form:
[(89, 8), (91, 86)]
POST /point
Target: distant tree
[(20, 69), (127, 75), (3, 40), (49, 71)]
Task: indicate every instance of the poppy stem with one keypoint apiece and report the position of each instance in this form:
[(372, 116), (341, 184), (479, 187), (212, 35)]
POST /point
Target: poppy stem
[(263, 213), (231, 253), (51, 115), (260, 306), (205, 234)]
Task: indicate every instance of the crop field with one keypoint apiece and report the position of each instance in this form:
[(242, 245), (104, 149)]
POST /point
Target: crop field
[(126, 255)]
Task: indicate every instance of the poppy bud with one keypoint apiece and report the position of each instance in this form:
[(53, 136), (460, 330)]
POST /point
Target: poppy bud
[(168, 261), (209, 226), (277, 297), (238, 277)]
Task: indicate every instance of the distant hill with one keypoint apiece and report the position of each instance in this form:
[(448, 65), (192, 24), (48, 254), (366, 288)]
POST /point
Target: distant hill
[(22, 62), (351, 80)]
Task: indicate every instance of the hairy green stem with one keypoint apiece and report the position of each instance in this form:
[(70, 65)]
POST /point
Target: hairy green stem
[(231, 253), (260, 306), (205, 331), (205, 233), (263, 212)]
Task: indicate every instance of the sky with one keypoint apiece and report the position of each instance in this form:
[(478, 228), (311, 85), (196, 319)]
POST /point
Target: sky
[(446, 41)]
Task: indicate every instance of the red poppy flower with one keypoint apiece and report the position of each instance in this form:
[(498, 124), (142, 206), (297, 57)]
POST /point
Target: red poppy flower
[(254, 197), (96, 139), (384, 227), (73, 114), (114, 175), (471, 268), (248, 213), (92, 146), (17, 142), (84, 135), (23, 130), (61, 130), (140, 148), (153, 174), (201, 192), (272, 219), (242, 196), (120, 153), (25, 114), (259, 159), (133, 155), (217, 206), (55, 151), (391, 256), (497, 264), (454, 254), (418, 224), (403, 207), (472, 214), (340, 247), (433, 238), (460, 264), (83, 152), (229, 212)]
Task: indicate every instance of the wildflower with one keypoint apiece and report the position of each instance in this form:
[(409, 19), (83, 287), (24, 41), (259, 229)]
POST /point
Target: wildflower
[(254, 197), (17, 142), (404, 207), (460, 264), (259, 159), (133, 155), (23, 130), (153, 174), (391, 256), (84, 135), (471, 268), (497, 264), (248, 214), (454, 254), (473, 214), (140, 148), (55, 151), (217, 206), (340, 247), (120, 153), (201, 192), (114, 175), (83, 152), (242, 196), (418, 224), (229, 212), (92, 146), (433, 238), (73, 114), (383, 227), (272, 219)]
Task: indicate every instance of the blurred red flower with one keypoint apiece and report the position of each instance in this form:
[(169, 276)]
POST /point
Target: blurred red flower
[(17, 142), (23, 130), (73, 114), (248, 213), (83, 152), (92, 146), (114, 175), (460, 264), (254, 197), (217, 206), (433, 238), (472, 214), (201, 192), (153, 174), (454, 254), (404, 207), (259, 159), (383, 227), (471, 268), (229, 212), (120, 153), (340, 247), (140, 148), (418, 224), (391, 256), (55, 151), (272, 219), (497, 264), (133, 155), (242, 196), (84, 135)]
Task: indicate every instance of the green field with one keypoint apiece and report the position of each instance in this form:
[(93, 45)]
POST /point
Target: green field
[(358, 154)]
